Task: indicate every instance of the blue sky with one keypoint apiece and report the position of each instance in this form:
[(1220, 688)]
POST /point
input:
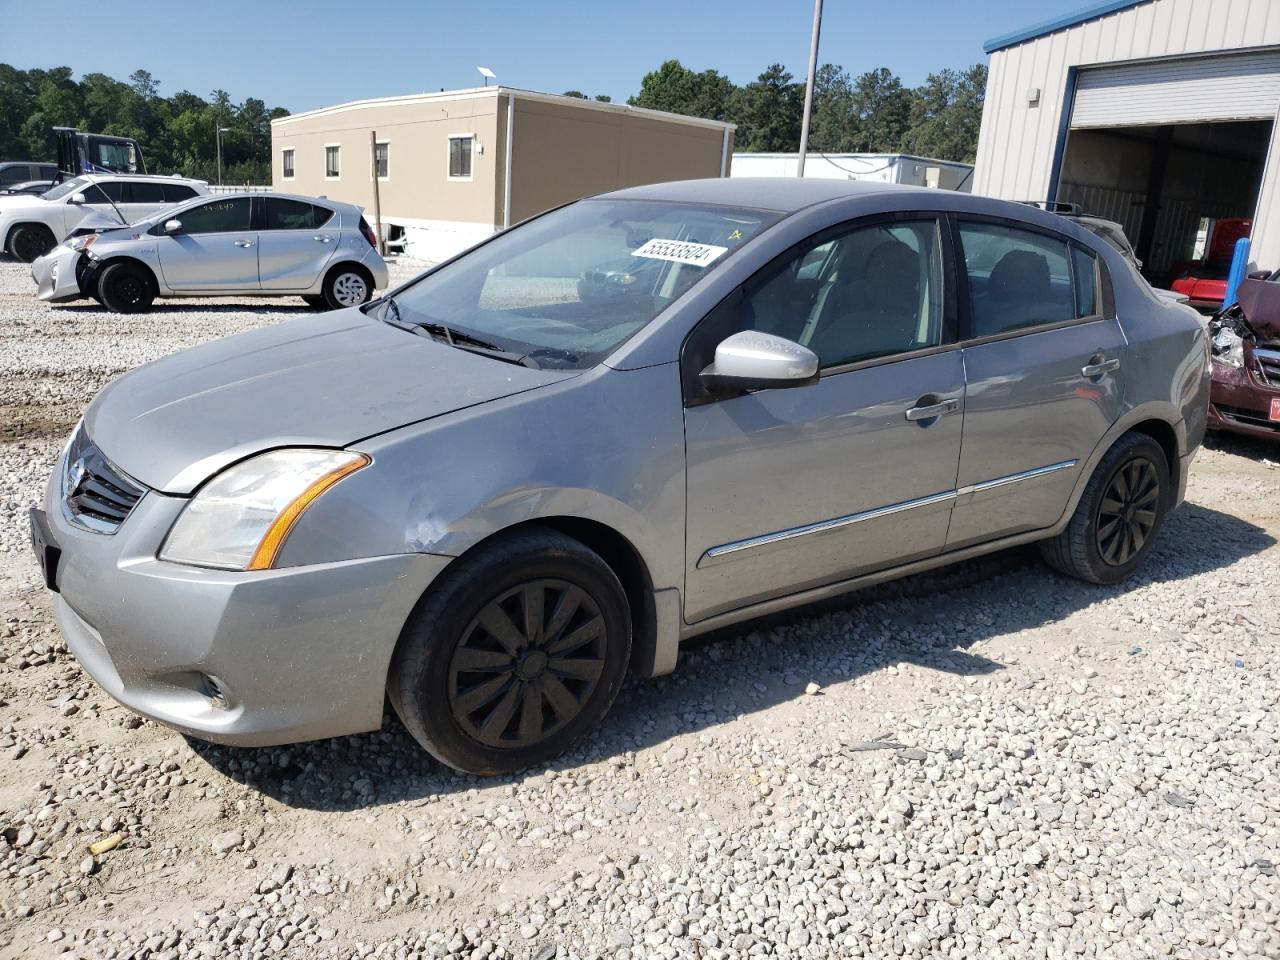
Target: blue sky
[(308, 54)]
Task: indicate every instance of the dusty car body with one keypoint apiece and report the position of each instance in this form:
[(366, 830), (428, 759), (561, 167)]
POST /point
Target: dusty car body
[(260, 244), (489, 498), (1245, 395)]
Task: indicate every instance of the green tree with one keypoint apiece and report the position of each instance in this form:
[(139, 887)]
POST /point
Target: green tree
[(768, 112), (576, 94), (946, 114), (602, 98), (677, 89)]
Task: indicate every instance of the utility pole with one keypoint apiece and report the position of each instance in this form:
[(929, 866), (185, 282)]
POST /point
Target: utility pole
[(808, 87), (221, 131), (377, 197)]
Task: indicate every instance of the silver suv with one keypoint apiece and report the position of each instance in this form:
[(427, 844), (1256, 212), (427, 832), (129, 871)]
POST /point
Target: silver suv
[(261, 244), (495, 491)]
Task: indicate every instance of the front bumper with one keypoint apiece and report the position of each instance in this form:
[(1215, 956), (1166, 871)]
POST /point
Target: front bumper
[(57, 275), (1239, 404), (249, 659)]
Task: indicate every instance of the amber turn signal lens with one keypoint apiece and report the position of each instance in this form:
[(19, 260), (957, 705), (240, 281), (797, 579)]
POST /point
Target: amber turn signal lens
[(264, 558)]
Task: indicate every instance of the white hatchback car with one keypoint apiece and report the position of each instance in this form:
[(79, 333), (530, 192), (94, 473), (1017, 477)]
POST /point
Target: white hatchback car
[(259, 245), (32, 226)]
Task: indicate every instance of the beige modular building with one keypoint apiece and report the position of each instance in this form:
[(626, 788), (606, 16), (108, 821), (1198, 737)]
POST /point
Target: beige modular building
[(453, 167), (1159, 114)]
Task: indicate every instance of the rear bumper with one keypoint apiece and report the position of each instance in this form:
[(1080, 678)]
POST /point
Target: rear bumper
[(249, 659), (1239, 404), (57, 275)]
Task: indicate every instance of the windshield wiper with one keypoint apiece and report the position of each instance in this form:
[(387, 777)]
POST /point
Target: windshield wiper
[(455, 338)]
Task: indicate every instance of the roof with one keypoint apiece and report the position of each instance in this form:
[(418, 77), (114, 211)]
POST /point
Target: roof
[(828, 155), (783, 194), (475, 93), (1063, 22)]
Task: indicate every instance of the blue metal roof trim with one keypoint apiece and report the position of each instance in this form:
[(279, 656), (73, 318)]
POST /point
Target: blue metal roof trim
[(1058, 23)]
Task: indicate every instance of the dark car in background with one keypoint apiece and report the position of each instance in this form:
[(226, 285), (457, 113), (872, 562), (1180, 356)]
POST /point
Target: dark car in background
[(13, 172), (1245, 393)]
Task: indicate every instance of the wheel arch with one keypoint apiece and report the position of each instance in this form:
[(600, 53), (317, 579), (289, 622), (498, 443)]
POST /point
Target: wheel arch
[(14, 227), (355, 265), (92, 274)]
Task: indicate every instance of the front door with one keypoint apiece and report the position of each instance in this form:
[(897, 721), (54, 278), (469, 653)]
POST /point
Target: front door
[(794, 488), (215, 249), (296, 240), (1044, 384)]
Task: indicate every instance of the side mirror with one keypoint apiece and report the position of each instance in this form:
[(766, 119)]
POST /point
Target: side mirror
[(76, 198), (751, 360), (172, 226)]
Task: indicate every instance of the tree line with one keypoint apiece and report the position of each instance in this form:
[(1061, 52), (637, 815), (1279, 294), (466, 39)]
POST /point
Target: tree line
[(870, 113), (177, 133)]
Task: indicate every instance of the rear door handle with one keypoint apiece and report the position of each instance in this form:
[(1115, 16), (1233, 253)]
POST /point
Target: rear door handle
[(244, 243), (1098, 367), (929, 411), (323, 239)]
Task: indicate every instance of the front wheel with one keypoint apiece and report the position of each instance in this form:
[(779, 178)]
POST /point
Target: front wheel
[(347, 286), (31, 242), (126, 288), (514, 656), (1118, 516)]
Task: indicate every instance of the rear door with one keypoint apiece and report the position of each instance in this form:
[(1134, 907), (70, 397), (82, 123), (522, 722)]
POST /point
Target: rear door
[(216, 249), (1043, 382), (296, 241), (142, 200)]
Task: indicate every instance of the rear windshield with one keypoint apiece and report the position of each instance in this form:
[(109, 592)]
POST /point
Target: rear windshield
[(567, 288)]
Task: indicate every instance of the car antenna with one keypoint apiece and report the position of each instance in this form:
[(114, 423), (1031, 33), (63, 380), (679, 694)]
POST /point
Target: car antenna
[(89, 177)]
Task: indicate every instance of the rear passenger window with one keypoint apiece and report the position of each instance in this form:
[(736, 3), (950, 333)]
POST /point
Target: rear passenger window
[(145, 193), (177, 192), (281, 214), (1017, 278), (1085, 267)]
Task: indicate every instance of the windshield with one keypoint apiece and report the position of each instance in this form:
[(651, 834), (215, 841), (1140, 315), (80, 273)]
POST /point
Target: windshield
[(64, 188), (565, 289)]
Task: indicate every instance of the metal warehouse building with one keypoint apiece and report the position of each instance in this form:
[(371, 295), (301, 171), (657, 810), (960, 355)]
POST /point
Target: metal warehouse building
[(454, 166), (1159, 114)]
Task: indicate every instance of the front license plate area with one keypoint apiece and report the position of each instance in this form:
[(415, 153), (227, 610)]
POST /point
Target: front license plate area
[(1275, 409), (46, 549)]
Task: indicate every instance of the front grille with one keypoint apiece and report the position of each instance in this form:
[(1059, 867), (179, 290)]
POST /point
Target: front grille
[(1254, 418), (97, 495), (1268, 364)]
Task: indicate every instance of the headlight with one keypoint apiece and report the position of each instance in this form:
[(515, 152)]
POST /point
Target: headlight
[(1228, 347), (239, 520), (83, 243)]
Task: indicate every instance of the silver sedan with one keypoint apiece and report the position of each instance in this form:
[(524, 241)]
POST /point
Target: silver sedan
[(261, 245), (495, 491)]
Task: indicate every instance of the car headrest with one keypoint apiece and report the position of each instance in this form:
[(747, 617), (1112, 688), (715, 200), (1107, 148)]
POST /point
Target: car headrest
[(1020, 275), (891, 279)]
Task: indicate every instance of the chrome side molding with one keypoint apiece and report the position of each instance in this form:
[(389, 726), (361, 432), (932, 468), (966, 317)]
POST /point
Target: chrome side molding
[(1016, 477)]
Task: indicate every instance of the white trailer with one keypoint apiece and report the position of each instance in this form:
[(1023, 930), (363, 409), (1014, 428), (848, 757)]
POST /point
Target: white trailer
[(883, 167)]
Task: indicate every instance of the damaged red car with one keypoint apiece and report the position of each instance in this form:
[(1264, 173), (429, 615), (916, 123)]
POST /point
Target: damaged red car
[(1245, 396)]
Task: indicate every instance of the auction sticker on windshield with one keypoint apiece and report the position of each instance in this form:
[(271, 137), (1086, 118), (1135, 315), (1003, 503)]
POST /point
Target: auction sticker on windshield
[(680, 251)]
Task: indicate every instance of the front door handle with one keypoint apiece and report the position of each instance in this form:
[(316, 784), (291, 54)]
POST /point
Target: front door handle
[(1097, 367), (932, 410), (244, 243), (323, 239)]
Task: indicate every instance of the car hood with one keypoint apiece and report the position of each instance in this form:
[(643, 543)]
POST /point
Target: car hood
[(1260, 303), (15, 201), (317, 381)]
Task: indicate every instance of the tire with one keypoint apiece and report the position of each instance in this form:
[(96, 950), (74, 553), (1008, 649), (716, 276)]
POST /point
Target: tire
[(509, 712), (347, 285), (316, 302), (1119, 514), (30, 241), (126, 288)]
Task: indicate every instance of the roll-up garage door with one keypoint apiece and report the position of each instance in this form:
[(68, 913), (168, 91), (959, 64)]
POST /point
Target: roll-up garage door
[(1236, 87)]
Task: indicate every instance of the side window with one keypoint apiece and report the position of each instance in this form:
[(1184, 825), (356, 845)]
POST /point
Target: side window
[(177, 192), (145, 193), (15, 174), (286, 163), (460, 158), (93, 194), (284, 214), (1085, 268), (382, 159), (46, 171), (320, 216), (332, 167), (872, 292), (220, 216), (1017, 278)]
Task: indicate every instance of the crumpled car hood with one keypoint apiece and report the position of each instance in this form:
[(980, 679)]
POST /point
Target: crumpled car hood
[(324, 381), (1260, 302)]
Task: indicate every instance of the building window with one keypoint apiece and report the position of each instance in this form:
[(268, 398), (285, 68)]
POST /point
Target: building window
[(287, 163), (382, 159), (331, 168), (460, 157)]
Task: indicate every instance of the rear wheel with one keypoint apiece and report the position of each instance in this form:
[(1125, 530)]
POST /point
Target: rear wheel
[(514, 656), (347, 286), (1118, 516), (125, 288), (30, 241)]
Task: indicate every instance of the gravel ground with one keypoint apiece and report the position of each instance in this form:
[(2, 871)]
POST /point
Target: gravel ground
[(990, 761)]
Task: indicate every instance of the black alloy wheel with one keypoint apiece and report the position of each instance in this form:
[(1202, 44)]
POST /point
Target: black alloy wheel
[(1128, 511), (527, 664)]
